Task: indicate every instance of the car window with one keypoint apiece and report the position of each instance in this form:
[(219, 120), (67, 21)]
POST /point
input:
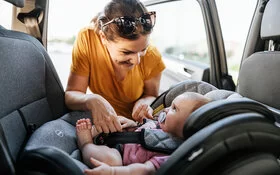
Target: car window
[(235, 18), (5, 14), (64, 27), (179, 31)]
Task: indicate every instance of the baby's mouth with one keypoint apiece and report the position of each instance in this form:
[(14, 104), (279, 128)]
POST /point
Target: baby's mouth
[(162, 117)]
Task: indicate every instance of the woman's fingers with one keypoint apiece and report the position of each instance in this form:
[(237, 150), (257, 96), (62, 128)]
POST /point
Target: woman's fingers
[(117, 125), (105, 127), (98, 128), (140, 112), (112, 127), (149, 113), (136, 113), (108, 124)]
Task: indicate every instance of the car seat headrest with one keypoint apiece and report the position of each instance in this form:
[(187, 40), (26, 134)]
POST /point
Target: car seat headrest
[(17, 3), (166, 98), (270, 26), (221, 94), (224, 141), (216, 110)]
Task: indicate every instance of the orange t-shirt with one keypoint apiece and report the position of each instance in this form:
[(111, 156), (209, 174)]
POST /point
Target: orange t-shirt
[(90, 58)]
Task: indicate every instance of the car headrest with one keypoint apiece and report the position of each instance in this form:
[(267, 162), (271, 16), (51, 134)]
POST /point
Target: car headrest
[(17, 3), (270, 26), (220, 109)]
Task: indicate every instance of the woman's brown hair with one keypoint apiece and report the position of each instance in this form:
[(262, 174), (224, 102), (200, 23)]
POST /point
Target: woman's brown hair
[(119, 8)]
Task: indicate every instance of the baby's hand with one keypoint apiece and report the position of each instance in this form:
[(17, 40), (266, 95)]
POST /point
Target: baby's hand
[(100, 168)]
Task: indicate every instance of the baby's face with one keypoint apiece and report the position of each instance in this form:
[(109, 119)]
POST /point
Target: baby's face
[(176, 115)]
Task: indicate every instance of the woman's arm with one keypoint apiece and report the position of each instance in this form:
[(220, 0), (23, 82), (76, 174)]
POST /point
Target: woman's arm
[(103, 114), (141, 107), (75, 95), (146, 168)]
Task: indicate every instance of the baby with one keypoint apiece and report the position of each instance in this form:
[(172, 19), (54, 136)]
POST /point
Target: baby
[(134, 159)]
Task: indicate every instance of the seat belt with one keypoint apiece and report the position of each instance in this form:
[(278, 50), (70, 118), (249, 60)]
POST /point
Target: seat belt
[(31, 17), (32, 21)]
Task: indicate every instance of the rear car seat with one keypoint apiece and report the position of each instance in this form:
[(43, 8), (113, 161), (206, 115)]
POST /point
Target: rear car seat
[(31, 93), (259, 73)]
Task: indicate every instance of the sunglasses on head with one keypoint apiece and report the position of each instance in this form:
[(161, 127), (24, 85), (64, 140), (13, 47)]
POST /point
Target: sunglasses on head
[(127, 24)]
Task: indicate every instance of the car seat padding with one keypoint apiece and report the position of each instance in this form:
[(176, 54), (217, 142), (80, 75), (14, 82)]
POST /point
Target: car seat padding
[(244, 133)]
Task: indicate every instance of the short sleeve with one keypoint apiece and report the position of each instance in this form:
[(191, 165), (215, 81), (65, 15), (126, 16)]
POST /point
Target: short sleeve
[(80, 60), (152, 63)]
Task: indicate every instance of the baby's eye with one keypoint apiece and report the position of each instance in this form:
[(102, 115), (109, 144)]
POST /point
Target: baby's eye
[(173, 108)]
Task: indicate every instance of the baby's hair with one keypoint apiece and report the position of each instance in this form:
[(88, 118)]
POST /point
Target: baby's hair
[(198, 99)]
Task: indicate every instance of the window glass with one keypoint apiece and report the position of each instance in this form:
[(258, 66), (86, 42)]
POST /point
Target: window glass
[(235, 18), (64, 27), (6, 14), (180, 31), (180, 36)]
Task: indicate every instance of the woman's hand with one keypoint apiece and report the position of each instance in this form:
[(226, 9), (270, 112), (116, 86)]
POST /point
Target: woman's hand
[(126, 123), (141, 111), (104, 116)]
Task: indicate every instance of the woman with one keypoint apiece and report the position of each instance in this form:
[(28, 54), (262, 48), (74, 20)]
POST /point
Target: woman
[(114, 58)]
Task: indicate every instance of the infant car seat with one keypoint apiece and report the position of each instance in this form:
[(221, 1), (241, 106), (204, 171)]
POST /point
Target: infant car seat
[(157, 140), (237, 135), (52, 148)]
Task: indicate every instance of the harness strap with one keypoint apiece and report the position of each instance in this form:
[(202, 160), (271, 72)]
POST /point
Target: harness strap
[(151, 139), (112, 139)]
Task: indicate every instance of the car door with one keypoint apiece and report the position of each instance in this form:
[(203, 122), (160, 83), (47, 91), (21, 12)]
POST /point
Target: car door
[(180, 36), (189, 35)]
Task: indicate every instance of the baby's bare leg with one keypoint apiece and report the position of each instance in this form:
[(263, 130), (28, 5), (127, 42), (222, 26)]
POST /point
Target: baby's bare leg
[(102, 153)]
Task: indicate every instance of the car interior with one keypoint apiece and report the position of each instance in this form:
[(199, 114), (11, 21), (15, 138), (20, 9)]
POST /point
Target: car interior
[(237, 133)]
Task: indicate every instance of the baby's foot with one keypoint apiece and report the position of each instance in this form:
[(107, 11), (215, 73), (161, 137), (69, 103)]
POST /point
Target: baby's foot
[(83, 131)]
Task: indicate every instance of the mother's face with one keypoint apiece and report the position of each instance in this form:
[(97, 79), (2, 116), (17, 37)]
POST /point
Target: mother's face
[(125, 54)]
